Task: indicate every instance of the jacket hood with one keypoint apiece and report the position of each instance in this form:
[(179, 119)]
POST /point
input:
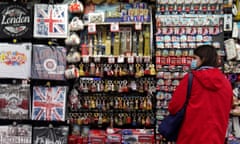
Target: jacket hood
[(209, 78)]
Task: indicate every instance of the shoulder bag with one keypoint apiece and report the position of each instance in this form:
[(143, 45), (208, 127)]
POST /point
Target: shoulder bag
[(170, 125)]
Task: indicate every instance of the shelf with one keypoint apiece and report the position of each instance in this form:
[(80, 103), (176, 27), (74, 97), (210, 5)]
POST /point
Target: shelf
[(120, 23)]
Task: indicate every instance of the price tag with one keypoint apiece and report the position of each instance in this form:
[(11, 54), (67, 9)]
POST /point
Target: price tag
[(97, 59), (92, 28), (138, 26), (120, 59), (139, 59), (114, 27), (111, 60), (130, 59), (85, 59), (147, 59)]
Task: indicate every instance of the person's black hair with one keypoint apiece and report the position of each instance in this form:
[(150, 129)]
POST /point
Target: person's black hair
[(208, 55)]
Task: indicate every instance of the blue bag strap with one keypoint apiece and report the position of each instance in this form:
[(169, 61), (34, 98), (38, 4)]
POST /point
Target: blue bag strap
[(189, 88)]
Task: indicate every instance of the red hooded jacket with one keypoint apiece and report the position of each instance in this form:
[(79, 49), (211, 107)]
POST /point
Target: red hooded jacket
[(207, 113)]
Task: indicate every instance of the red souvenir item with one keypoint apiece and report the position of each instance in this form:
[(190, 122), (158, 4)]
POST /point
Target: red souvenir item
[(76, 7)]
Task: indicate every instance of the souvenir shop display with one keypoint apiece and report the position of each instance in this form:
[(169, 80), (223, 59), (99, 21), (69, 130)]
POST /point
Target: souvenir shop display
[(15, 60), (181, 26), (231, 67), (16, 21), (100, 71), (112, 72)]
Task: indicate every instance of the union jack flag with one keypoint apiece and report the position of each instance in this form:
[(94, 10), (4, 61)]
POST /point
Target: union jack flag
[(51, 21), (49, 103)]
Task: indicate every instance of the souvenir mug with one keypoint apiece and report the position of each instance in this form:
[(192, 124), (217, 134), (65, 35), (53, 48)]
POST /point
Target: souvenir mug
[(71, 72), (73, 39), (73, 56), (76, 24)]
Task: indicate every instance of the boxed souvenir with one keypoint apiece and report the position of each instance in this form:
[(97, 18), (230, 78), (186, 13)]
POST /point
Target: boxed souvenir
[(140, 136)]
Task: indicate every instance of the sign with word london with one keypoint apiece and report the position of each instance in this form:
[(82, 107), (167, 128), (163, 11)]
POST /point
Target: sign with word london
[(15, 21)]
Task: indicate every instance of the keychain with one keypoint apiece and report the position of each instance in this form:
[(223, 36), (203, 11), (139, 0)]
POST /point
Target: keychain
[(100, 120), (116, 106), (93, 104), (128, 119), (116, 119), (81, 71), (149, 103), (136, 103), (139, 120), (120, 103), (92, 69), (79, 120), (85, 103), (152, 69), (93, 87), (138, 73), (104, 108), (86, 119), (148, 121), (131, 103), (105, 119), (124, 107)]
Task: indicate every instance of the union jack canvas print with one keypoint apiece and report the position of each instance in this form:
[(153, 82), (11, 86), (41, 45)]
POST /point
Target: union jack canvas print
[(49, 103), (50, 21)]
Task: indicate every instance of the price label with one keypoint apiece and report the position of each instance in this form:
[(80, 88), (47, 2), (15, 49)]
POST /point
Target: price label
[(97, 59), (120, 59), (111, 60), (114, 27), (85, 59), (92, 28), (138, 26), (139, 59), (130, 59), (147, 59)]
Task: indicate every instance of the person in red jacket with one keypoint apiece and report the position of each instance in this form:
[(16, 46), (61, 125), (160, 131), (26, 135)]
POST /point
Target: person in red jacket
[(207, 113)]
